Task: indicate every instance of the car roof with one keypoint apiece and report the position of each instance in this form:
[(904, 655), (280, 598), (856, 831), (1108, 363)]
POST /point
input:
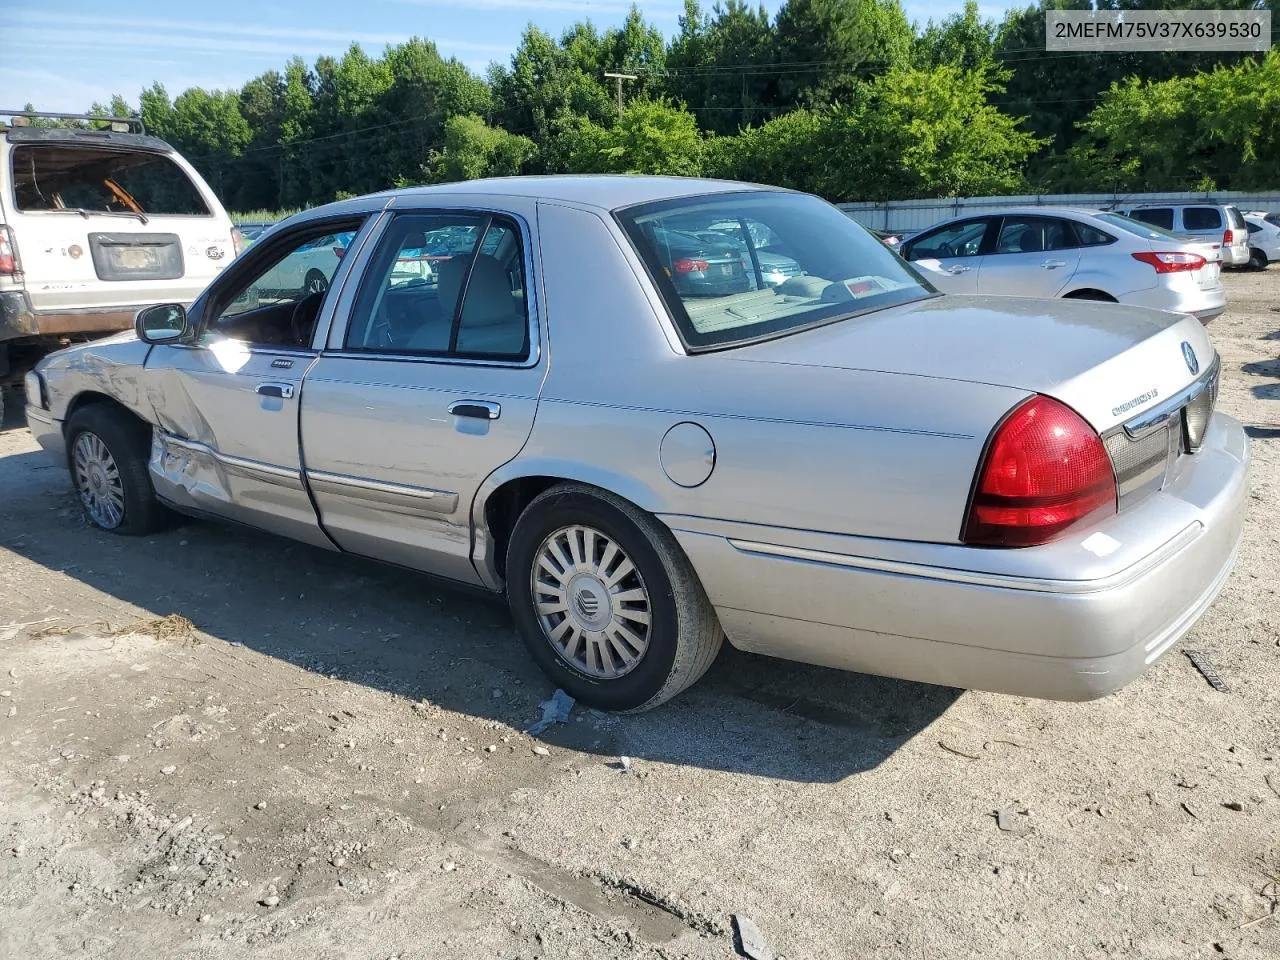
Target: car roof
[(1179, 203), (67, 135), (603, 191)]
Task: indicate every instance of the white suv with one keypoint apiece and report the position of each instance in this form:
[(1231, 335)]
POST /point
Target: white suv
[(1219, 222), (94, 225)]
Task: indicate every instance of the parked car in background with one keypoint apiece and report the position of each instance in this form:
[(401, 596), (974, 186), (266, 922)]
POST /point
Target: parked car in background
[(95, 224), (1220, 222), (1035, 497), (308, 270), (1077, 254), (888, 238), (249, 232), (1264, 238)]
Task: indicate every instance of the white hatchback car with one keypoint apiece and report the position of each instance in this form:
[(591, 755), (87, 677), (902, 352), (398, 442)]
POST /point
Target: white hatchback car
[(94, 225), (1073, 254), (1264, 238)]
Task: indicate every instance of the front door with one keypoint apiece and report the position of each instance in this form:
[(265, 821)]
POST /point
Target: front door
[(429, 386), (227, 404), (1032, 257), (950, 256)]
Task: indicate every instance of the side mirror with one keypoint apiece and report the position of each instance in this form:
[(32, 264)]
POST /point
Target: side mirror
[(163, 323)]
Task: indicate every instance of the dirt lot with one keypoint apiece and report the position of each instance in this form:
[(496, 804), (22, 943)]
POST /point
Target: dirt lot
[(330, 763)]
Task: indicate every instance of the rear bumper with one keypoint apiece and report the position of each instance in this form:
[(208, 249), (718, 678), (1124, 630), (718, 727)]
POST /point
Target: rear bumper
[(1204, 305), (964, 626), (17, 319), (1235, 256)]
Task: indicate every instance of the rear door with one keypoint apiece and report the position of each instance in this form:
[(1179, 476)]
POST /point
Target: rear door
[(951, 254), (102, 224), (1032, 257), (428, 384)]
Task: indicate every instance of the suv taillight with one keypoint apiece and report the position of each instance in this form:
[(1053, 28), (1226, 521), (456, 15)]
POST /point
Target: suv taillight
[(8, 251), (1171, 262), (1228, 238), (1045, 470)]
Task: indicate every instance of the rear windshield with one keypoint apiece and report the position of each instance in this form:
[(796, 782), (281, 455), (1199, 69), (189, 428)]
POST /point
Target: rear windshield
[(1156, 216), (735, 268), (1237, 218), (93, 179), (1145, 230), (1273, 218)]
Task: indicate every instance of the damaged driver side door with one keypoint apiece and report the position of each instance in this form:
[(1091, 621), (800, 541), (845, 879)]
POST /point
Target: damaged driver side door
[(227, 403)]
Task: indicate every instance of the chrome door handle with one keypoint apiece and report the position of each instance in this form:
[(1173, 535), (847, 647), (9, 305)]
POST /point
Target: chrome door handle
[(957, 268), (283, 391), (1053, 264), (479, 409)]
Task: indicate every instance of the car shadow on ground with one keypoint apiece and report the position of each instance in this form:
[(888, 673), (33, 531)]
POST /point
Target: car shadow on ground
[(398, 631)]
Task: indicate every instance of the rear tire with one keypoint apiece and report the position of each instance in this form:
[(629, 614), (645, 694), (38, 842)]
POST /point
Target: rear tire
[(1258, 260), (107, 453), (624, 623)]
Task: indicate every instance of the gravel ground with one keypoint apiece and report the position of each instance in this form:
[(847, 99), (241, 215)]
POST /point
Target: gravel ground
[(217, 743)]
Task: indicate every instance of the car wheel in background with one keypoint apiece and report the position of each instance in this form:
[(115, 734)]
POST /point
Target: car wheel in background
[(107, 451), (315, 281), (1257, 260), (606, 601)]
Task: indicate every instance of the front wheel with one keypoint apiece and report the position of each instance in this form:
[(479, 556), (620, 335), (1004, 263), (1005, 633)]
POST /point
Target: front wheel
[(107, 451), (606, 601)]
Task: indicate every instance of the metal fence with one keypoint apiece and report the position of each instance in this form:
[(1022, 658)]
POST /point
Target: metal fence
[(908, 216)]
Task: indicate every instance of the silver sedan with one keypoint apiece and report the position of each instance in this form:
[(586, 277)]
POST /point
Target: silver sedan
[(844, 467), (1077, 254)]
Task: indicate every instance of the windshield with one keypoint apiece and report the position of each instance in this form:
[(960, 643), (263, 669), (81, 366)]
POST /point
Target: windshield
[(734, 268), (92, 179), (1144, 230)]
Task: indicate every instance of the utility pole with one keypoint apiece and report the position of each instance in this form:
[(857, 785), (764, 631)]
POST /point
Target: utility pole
[(618, 78)]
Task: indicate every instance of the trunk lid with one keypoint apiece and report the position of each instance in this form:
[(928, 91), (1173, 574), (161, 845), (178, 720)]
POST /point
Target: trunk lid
[(1108, 361)]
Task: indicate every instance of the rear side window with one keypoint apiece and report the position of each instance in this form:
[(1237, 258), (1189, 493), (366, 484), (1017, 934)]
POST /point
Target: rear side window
[(1273, 218), (1156, 216), (1201, 218), (1089, 236), (93, 179), (1253, 228)]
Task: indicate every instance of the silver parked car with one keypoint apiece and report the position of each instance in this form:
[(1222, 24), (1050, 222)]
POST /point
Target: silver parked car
[(844, 468), (1078, 254), (1220, 223)]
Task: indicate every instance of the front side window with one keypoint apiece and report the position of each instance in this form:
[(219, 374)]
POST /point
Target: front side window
[(1201, 218), (54, 177), (1032, 235), (733, 268), (278, 300), (962, 239), (1156, 216), (444, 285)]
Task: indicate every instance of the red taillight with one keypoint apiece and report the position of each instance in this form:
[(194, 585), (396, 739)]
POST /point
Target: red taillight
[(689, 266), (339, 251), (1171, 262), (1228, 238), (8, 252), (1045, 470)]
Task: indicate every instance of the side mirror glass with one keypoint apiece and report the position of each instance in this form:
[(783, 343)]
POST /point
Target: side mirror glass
[(163, 323)]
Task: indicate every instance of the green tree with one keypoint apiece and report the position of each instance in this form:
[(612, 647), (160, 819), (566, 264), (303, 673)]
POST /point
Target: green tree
[(827, 46), (962, 40), (787, 151), (473, 149), (921, 133), (651, 136)]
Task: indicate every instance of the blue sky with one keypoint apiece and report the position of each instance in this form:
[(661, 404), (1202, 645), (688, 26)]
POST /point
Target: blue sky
[(62, 55)]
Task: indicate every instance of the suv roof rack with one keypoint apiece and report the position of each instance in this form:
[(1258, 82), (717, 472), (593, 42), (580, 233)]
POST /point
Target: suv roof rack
[(23, 118)]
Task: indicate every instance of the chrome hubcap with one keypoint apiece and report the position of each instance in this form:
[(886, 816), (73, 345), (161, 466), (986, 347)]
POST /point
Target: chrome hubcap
[(591, 602), (98, 481)]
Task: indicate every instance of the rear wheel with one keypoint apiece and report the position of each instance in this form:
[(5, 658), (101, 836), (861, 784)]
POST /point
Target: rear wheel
[(1257, 260), (107, 451), (606, 601)]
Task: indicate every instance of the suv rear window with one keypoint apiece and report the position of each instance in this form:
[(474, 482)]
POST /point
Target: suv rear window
[(739, 267), (94, 179), (1201, 218), (1156, 216), (1237, 218)]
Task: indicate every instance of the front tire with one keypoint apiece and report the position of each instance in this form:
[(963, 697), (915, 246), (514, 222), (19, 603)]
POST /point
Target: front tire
[(606, 602), (107, 452)]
